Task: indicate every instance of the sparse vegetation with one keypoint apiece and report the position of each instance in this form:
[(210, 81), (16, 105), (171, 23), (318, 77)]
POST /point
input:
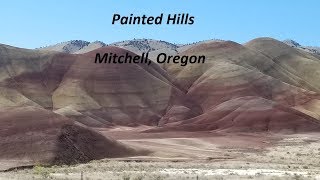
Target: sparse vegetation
[(42, 171), (248, 165)]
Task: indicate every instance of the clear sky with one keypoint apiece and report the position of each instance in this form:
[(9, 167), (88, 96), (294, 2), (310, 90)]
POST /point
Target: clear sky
[(36, 23)]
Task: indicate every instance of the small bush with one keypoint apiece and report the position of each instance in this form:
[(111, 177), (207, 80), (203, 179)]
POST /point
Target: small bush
[(42, 171)]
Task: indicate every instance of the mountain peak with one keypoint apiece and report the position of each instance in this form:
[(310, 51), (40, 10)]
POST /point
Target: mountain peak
[(292, 43), (74, 46), (79, 42), (310, 49)]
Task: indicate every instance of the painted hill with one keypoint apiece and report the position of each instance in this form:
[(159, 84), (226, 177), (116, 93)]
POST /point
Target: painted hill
[(49, 138), (51, 100), (104, 95), (265, 79), (123, 94), (94, 94), (31, 132)]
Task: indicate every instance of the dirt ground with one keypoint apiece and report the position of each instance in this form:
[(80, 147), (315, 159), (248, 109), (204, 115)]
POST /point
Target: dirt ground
[(196, 155)]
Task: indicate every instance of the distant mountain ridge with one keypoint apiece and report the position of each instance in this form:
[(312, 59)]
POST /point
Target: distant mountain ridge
[(148, 45), (67, 47), (310, 49)]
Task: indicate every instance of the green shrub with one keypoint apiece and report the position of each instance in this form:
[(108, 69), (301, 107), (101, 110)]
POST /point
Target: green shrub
[(42, 171)]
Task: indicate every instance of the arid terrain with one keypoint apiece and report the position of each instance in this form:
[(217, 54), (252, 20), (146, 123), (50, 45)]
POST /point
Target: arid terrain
[(251, 111), (197, 156)]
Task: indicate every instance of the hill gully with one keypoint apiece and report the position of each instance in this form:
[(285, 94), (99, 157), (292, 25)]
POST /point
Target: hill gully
[(112, 58)]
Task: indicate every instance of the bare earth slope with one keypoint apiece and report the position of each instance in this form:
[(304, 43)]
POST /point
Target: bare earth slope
[(50, 101), (31, 136), (265, 71), (122, 94), (242, 89)]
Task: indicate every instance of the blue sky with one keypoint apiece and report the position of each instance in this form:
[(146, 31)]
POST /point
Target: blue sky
[(36, 23)]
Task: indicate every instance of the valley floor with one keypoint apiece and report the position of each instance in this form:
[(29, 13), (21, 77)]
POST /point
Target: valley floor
[(205, 155)]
